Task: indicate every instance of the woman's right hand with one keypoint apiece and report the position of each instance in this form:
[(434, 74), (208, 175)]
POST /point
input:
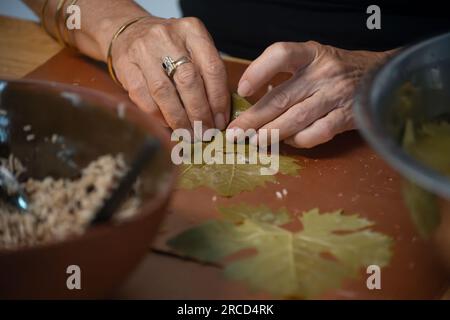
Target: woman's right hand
[(198, 91)]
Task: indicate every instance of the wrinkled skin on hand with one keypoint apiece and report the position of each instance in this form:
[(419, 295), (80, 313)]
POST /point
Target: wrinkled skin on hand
[(199, 89), (308, 109), (315, 104)]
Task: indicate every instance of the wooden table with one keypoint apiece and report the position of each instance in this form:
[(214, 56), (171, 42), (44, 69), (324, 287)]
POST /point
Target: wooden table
[(162, 274), (24, 47)]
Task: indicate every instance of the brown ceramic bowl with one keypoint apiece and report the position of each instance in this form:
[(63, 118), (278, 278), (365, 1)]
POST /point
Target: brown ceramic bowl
[(89, 124)]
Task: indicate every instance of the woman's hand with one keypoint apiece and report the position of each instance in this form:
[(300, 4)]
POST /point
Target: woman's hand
[(315, 104), (199, 89)]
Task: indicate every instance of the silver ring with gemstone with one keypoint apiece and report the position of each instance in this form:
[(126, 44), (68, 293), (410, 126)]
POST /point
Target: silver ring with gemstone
[(170, 65)]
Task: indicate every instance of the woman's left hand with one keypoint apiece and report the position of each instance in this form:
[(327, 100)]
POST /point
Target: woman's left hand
[(315, 104)]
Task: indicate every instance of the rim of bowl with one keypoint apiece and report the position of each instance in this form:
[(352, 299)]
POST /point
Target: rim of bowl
[(149, 206), (372, 130)]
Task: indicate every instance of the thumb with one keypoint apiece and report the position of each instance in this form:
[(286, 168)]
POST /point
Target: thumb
[(279, 57)]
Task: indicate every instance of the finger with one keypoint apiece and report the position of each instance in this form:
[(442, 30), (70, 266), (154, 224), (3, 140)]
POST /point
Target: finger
[(276, 102), (279, 57), (134, 82), (213, 72), (164, 94), (324, 129), (189, 84), (299, 116)]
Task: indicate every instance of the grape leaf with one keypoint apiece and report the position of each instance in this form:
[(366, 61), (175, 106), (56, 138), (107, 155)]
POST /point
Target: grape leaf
[(287, 264), (239, 105), (423, 208), (231, 179), (431, 146), (428, 144)]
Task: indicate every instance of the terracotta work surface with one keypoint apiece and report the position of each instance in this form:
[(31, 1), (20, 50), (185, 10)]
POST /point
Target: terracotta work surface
[(343, 174)]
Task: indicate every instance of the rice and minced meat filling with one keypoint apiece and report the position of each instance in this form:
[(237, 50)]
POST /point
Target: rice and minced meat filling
[(59, 208)]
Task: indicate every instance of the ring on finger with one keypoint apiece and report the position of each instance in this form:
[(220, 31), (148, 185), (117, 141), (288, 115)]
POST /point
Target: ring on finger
[(170, 66)]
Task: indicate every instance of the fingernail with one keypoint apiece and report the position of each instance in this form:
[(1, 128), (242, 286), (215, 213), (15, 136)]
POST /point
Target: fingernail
[(230, 135), (192, 135), (233, 134), (254, 140), (199, 130), (244, 89), (219, 119)]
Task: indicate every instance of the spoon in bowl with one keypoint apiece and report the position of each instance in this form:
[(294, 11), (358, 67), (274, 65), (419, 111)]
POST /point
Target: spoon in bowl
[(11, 191), (147, 152)]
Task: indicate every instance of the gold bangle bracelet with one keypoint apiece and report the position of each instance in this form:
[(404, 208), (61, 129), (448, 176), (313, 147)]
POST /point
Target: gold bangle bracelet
[(109, 58), (59, 7), (66, 39), (43, 22)]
